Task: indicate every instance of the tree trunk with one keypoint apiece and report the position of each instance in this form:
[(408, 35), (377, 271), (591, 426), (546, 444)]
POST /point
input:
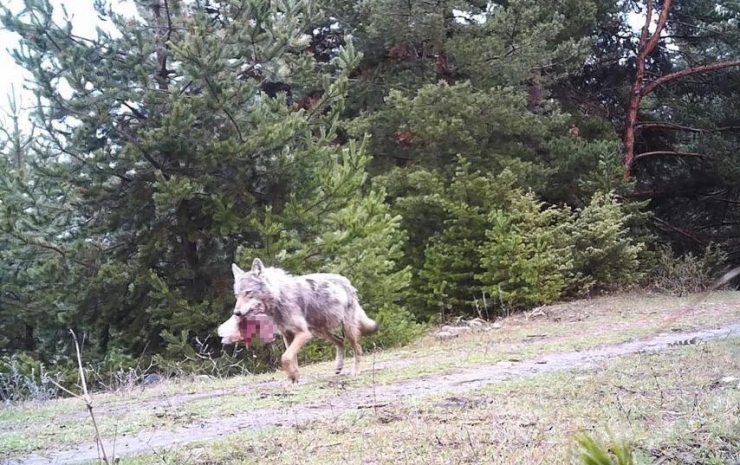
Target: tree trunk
[(647, 45), (534, 91), (29, 344)]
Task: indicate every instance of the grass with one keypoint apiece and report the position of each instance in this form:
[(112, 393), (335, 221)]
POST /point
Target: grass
[(29, 427), (670, 406)]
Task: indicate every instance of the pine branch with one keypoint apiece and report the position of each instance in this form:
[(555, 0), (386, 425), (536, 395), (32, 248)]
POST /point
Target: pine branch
[(683, 232), (645, 48), (687, 72), (649, 46)]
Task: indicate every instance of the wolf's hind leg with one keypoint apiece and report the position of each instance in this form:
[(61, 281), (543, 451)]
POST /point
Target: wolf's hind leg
[(339, 343), (353, 336)]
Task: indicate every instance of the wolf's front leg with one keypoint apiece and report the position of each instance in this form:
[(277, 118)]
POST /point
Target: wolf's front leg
[(287, 339), (289, 359), (290, 367)]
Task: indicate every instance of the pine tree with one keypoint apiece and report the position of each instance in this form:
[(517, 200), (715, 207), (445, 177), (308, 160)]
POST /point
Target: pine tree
[(491, 128), (670, 91), (36, 236), (605, 255), (189, 134), (342, 225)]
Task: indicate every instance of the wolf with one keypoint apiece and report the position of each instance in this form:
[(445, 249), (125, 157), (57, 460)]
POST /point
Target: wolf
[(300, 308)]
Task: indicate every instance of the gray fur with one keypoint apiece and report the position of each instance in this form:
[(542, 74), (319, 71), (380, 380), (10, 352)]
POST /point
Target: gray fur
[(301, 307)]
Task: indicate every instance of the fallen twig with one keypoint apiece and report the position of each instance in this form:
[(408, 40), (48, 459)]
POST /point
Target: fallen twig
[(373, 406)]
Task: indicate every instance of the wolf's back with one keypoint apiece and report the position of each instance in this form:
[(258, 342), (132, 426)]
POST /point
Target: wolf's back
[(354, 313)]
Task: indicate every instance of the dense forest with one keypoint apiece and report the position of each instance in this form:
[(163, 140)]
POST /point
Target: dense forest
[(451, 158)]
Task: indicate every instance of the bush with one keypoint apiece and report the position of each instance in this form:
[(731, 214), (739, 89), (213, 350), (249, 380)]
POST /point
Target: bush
[(688, 273), (24, 378), (353, 233), (182, 358), (508, 249), (448, 279)]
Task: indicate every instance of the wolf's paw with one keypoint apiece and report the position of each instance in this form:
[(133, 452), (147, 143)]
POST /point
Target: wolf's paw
[(291, 369)]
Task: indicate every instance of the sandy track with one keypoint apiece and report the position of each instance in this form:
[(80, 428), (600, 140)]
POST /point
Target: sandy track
[(457, 382)]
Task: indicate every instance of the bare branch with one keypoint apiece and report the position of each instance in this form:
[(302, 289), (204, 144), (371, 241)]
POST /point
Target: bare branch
[(638, 90), (66, 390), (668, 152), (683, 232), (87, 398), (505, 55), (678, 127), (135, 112)]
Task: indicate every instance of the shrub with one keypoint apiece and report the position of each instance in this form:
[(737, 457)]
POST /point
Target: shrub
[(687, 273), (352, 233), (505, 247), (183, 358), (24, 378), (592, 452), (448, 279), (526, 255)]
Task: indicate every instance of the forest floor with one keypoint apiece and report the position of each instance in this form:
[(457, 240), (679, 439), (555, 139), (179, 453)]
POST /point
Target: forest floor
[(661, 372)]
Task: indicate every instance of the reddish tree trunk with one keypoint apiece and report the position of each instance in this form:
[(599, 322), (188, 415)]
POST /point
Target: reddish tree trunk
[(647, 45)]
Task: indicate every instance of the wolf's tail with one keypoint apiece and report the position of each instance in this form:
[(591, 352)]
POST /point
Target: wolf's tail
[(366, 324)]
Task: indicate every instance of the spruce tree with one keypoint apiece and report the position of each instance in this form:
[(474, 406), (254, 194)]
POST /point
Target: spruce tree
[(527, 254), (186, 135)]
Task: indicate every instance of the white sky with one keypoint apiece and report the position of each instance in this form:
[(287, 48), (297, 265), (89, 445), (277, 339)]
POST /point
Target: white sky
[(84, 21)]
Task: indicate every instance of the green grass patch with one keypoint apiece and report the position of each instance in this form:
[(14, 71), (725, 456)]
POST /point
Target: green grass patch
[(573, 326), (672, 406)]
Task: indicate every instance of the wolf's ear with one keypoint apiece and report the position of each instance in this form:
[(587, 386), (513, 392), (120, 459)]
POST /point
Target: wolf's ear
[(257, 266), (236, 270)]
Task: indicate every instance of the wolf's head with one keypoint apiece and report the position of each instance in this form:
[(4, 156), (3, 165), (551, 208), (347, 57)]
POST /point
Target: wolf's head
[(250, 290)]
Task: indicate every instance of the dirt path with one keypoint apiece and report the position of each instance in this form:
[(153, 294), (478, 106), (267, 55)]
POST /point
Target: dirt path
[(463, 380), (183, 398)]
